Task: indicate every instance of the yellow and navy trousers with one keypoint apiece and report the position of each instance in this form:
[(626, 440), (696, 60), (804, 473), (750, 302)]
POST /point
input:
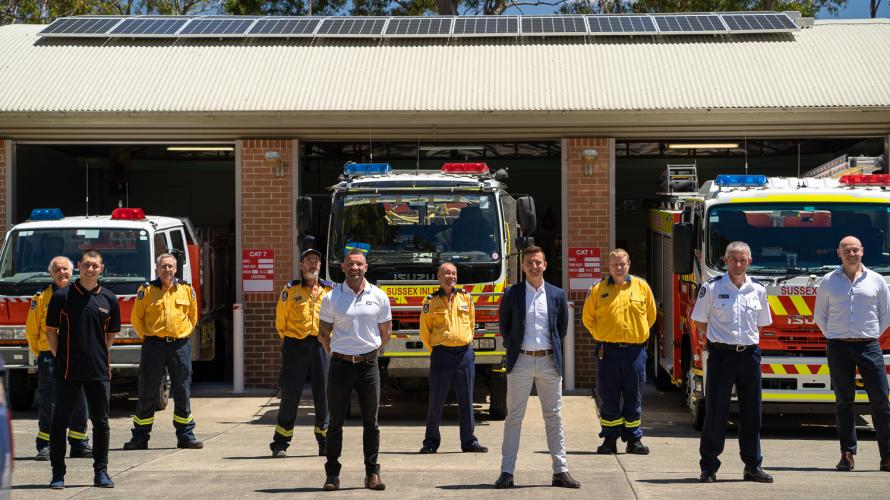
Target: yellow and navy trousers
[(162, 356), (301, 358), (77, 429), (620, 376)]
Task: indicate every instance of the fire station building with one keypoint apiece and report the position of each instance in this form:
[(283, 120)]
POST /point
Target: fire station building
[(229, 129)]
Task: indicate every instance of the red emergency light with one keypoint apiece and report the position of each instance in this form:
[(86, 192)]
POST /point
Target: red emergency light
[(128, 214), (866, 180), (465, 168)]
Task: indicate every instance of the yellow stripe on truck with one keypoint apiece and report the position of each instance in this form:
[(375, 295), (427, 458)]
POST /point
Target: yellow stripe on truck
[(776, 305), (802, 308)]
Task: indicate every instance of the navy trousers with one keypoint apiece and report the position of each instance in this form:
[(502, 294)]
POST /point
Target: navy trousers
[(843, 360), (451, 365), (77, 428), (725, 369), (299, 358), (156, 357), (620, 376)]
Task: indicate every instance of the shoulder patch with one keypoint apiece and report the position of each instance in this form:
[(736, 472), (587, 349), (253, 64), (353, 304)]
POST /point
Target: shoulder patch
[(140, 294), (284, 296), (33, 304), (426, 307), (194, 295), (702, 291)]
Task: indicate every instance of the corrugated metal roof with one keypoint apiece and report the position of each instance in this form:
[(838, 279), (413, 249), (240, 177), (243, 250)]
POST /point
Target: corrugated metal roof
[(835, 64)]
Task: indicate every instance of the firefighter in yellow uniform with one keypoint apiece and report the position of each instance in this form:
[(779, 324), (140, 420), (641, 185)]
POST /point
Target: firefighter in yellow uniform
[(447, 324), (619, 312), (35, 331), (164, 315), (296, 320)]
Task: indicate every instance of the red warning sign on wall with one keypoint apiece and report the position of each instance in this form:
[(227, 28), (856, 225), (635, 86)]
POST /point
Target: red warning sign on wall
[(584, 268), (257, 270)]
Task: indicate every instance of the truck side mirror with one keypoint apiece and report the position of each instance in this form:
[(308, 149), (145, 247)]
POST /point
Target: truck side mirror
[(528, 218), (304, 213), (683, 240)]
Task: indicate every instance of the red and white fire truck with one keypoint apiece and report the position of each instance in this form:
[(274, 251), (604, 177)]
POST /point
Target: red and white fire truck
[(410, 222), (793, 226), (129, 241)]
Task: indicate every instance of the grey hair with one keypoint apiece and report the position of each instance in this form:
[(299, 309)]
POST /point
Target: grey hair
[(737, 246), (165, 256), (49, 268)]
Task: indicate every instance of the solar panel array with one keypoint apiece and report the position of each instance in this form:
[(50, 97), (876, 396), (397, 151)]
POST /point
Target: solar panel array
[(419, 27)]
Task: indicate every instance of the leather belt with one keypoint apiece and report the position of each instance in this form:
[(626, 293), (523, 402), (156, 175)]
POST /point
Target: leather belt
[(731, 347), (537, 354), (162, 339), (855, 340), (354, 358), (623, 344)]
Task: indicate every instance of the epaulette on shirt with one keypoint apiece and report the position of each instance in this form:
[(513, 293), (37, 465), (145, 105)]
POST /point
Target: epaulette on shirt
[(292, 283), (715, 278), (460, 290)]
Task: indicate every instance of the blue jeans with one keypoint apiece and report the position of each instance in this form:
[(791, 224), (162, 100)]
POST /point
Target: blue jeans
[(843, 359), (77, 428)]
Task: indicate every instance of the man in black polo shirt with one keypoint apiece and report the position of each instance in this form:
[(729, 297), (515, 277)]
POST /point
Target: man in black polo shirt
[(81, 322)]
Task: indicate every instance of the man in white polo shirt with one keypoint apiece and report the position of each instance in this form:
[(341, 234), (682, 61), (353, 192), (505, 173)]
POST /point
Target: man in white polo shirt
[(355, 323)]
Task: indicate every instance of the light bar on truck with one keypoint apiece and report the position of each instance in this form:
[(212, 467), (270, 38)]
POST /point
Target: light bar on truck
[(866, 180), (352, 168), (128, 214), (740, 180), (465, 168), (46, 214)]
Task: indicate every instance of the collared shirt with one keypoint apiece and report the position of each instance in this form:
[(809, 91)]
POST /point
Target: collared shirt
[(35, 324), (619, 312), (447, 320), (537, 321), (355, 318), (296, 314), (165, 312), (858, 309), (734, 315), (83, 318)]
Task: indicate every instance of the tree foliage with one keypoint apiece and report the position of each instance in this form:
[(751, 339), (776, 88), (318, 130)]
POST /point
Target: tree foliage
[(805, 7), (45, 11)]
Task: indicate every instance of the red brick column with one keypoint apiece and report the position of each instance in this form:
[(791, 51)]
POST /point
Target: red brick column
[(588, 225), (3, 201), (267, 222)]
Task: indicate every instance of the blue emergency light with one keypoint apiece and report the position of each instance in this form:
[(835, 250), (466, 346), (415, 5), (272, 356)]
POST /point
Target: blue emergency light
[(46, 214), (352, 168), (740, 180)]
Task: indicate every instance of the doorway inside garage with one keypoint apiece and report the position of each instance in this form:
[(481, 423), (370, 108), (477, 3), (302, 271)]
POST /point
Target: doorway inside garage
[(178, 180), (533, 168), (639, 166)]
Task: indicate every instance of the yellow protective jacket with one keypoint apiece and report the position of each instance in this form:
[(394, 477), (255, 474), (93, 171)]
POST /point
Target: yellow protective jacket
[(296, 314), (35, 325), (165, 313), (447, 322), (620, 312)]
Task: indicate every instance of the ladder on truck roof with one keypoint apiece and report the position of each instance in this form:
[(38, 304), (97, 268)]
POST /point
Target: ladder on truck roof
[(677, 183), (846, 165)]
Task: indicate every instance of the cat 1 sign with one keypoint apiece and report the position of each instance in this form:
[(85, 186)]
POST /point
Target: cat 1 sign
[(257, 270), (584, 268)]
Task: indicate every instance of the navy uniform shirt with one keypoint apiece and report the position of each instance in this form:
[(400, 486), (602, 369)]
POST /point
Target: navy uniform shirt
[(83, 317)]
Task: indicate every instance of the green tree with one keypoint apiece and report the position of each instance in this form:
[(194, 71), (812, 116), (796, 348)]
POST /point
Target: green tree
[(805, 7), (46, 11)]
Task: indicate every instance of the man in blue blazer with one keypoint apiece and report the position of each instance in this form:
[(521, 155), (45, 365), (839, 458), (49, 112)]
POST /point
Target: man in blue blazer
[(533, 321)]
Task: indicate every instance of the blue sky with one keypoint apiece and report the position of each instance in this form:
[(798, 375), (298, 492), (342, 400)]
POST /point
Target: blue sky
[(856, 9)]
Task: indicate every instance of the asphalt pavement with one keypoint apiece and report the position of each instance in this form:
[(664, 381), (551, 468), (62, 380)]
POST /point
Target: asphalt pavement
[(236, 462)]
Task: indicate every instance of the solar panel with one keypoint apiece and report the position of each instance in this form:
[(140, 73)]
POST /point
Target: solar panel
[(621, 25), (80, 26), (486, 26), (419, 27), (212, 26), (759, 22), (699, 24), (553, 25), (149, 26), (285, 26), (351, 27)]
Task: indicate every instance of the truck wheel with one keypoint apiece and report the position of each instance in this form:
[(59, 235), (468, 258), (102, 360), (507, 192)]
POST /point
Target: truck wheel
[(21, 392), (163, 393), (663, 381), (696, 406), (497, 386)]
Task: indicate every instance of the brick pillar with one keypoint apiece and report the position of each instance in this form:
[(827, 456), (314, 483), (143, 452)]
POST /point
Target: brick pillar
[(588, 225), (4, 202), (267, 222)]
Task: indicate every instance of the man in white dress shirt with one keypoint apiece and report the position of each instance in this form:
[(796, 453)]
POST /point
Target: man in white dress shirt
[(853, 310)]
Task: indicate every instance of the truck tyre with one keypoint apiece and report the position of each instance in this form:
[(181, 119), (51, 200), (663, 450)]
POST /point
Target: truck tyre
[(696, 406), (663, 381), (497, 386), (21, 392), (163, 393)]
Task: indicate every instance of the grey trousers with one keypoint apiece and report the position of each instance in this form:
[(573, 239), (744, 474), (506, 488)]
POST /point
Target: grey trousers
[(540, 371)]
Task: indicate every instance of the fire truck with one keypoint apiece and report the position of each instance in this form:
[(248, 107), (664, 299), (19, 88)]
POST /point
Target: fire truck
[(412, 221), (129, 242), (793, 226)]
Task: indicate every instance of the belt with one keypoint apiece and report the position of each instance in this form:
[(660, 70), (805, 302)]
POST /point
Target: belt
[(855, 340), (354, 358), (537, 354), (622, 344), (156, 338), (731, 347)]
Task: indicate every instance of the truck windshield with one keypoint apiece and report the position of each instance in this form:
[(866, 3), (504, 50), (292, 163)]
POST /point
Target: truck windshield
[(788, 238), (27, 253), (417, 228)]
